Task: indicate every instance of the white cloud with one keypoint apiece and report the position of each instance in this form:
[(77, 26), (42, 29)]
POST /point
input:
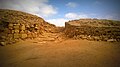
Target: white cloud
[(75, 16), (71, 4), (38, 7), (97, 3), (58, 21), (111, 17)]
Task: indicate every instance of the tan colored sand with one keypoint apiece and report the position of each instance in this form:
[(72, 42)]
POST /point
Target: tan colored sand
[(68, 53)]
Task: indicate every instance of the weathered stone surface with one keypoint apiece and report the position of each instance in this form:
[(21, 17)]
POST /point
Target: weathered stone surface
[(13, 31), (2, 43), (10, 25), (35, 34), (16, 31), (16, 35), (22, 31), (97, 29), (16, 27), (10, 28), (29, 35), (22, 27), (10, 35), (111, 40), (96, 38), (3, 37), (23, 36)]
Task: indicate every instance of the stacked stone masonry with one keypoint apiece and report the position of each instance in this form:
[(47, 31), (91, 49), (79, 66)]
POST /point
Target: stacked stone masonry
[(17, 25), (100, 33), (16, 31)]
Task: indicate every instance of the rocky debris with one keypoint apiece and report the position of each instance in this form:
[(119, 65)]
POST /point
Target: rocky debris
[(49, 39), (2, 43), (93, 29), (111, 40)]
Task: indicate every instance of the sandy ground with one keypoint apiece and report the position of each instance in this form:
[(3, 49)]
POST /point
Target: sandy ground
[(66, 53)]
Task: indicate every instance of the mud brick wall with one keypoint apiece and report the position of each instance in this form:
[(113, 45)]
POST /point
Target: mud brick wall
[(93, 33), (12, 32)]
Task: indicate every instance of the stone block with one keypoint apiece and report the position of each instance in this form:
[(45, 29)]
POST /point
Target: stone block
[(22, 31), (96, 38), (27, 26), (16, 27), (13, 31), (18, 24), (38, 31), (33, 34), (23, 27), (32, 25), (36, 28), (16, 31), (2, 43), (26, 31), (10, 28), (14, 24), (111, 40), (23, 36), (10, 25), (41, 20), (3, 37), (16, 36), (29, 35), (36, 25), (10, 35)]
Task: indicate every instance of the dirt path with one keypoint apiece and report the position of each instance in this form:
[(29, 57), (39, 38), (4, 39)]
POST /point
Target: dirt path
[(51, 50)]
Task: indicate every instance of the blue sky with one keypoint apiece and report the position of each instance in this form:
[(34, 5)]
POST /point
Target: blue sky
[(92, 8), (59, 11)]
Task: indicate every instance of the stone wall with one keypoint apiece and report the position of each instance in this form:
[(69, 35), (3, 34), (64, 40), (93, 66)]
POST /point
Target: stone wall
[(92, 32), (17, 25), (12, 32)]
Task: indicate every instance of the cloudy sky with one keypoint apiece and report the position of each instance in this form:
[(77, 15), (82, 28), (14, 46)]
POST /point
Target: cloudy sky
[(60, 11)]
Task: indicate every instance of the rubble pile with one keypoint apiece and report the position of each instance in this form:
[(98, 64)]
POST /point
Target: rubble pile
[(16, 26), (93, 29)]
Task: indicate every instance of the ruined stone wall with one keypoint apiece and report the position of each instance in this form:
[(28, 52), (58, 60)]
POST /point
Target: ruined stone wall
[(17, 25), (92, 33), (12, 32)]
